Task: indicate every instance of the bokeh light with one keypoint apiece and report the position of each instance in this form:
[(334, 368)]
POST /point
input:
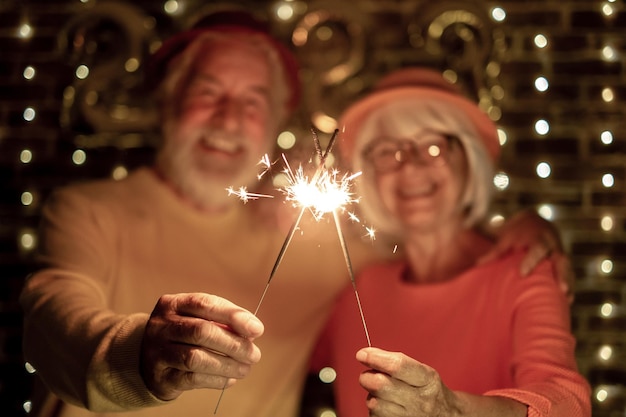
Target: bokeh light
[(498, 14), (541, 84), (540, 41), (607, 223), (543, 170), (542, 127), (79, 157), (606, 137)]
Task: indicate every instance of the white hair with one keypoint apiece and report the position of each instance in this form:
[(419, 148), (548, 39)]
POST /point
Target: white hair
[(403, 118), (180, 68)]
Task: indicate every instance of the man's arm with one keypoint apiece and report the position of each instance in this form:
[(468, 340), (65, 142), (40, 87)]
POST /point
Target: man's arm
[(96, 358), (527, 230)]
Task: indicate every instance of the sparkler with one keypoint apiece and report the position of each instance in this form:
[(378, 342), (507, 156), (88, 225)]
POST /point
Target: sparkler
[(323, 193), (244, 195)]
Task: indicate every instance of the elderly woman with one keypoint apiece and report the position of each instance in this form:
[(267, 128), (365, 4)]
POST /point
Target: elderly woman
[(476, 339)]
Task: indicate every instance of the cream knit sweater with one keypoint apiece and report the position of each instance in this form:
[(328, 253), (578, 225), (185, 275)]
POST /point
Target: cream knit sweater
[(111, 248)]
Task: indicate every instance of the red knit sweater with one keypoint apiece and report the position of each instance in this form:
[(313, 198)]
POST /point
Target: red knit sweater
[(488, 331)]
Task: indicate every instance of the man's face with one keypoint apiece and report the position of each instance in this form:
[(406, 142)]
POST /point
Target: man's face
[(221, 127)]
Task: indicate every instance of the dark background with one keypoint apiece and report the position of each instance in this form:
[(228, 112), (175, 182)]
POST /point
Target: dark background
[(106, 117)]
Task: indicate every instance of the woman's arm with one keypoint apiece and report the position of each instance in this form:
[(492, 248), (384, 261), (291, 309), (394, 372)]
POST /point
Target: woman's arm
[(401, 386)]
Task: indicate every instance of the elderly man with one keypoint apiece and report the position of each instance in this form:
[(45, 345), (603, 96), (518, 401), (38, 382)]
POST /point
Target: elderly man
[(169, 240)]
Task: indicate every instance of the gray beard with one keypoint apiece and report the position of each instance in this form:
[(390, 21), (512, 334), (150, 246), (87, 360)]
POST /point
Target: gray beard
[(206, 190)]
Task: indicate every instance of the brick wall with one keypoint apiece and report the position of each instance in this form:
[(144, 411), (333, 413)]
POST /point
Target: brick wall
[(105, 114)]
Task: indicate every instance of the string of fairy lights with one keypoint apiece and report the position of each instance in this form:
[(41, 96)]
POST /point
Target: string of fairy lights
[(286, 10)]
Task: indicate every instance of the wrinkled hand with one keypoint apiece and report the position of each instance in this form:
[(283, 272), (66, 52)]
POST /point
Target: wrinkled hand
[(400, 386), (197, 340), (528, 230)]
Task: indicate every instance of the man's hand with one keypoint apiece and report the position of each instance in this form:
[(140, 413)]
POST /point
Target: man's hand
[(528, 230), (197, 340)]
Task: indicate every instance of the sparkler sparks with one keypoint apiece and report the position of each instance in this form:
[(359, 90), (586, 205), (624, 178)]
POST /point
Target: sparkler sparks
[(265, 161), (324, 195), (244, 195), (325, 192), (308, 194)]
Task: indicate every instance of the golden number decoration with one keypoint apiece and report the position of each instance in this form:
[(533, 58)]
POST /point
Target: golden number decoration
[(105, 47)]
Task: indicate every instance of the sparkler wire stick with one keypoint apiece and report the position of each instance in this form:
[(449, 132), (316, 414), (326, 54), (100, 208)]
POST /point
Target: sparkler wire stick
[(295, 224), (318, 146), (292, 231), (280, 256), (346, 256)]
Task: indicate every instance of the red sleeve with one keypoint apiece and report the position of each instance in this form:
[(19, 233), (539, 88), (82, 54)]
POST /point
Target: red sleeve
[(544, 367)]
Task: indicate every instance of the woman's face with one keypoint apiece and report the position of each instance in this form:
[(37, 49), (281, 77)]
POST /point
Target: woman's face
[(420, 179)]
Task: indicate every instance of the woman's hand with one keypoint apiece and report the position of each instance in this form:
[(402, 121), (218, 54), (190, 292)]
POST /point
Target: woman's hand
[(400, 386)]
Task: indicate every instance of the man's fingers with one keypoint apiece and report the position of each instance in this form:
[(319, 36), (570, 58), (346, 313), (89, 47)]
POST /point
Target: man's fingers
[(561, 264), (195, 359), (526, 230), (185, 380), (197, 341), (564, 273), (177, 367), (212, 336), (212, 308), (536, 253)]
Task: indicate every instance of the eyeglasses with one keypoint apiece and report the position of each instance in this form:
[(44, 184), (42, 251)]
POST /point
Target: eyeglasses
[(389, 154)]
